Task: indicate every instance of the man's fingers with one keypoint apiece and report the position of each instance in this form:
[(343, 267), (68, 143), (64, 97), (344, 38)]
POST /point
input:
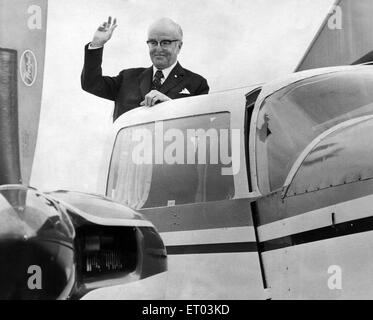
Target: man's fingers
[(154, 100), (151, 100), (102, 26), (114, 24), (107, 25), (153, 97), (148, 101)]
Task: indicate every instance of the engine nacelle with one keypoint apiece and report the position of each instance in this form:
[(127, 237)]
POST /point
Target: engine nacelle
[(63, 244)]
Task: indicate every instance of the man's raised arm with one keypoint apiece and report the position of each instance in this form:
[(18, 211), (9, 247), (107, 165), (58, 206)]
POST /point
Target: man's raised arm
[(92, 80)]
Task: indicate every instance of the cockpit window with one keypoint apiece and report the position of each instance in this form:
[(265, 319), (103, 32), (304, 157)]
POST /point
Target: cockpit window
[(172, 162), (293, 116)]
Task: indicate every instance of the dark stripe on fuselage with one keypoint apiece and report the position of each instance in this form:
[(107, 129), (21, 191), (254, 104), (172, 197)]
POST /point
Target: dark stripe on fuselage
[(197, 216), (213, 248), (329, 232), (272, 208)]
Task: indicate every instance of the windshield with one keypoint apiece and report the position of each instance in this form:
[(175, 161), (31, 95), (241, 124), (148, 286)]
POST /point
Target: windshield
[(293, 116), (174, 162)]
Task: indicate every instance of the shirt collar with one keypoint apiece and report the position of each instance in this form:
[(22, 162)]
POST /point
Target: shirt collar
[(165, 71)]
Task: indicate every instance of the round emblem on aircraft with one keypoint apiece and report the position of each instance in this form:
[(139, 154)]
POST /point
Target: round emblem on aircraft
[(28, 68)]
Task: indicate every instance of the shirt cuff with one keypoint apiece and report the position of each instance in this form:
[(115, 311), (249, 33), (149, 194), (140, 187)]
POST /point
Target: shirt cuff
[(90, 47)]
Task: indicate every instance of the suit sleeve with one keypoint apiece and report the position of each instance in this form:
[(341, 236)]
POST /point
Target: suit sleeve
[(92, 79), (203, 88)]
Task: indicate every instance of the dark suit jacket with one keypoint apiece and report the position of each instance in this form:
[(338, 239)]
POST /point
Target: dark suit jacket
[(129, 88)]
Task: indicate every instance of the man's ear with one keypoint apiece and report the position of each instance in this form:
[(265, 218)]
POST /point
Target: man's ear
[(180, 44)]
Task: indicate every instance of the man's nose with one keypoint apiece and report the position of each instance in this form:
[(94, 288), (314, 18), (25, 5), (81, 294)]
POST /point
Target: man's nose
[(158, 48)]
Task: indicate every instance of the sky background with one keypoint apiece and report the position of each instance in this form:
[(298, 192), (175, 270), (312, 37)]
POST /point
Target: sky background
[(232, 43)]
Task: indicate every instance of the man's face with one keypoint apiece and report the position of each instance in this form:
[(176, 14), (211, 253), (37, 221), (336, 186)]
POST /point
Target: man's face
[(166, 55)]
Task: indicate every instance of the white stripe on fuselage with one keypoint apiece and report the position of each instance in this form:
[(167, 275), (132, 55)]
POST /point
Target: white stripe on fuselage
[(208, 236), (344, 211)]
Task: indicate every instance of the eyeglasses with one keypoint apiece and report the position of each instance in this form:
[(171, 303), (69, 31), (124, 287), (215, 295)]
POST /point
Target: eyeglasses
[(163, 43)]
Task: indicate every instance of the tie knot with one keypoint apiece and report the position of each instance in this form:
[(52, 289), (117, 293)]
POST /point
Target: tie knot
[(159, 74)]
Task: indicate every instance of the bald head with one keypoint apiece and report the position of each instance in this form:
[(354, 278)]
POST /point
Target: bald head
[(165, 39), (166, 25)]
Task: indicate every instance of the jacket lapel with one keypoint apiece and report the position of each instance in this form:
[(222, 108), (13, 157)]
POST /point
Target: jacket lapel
[(145, 80), (174, 78)]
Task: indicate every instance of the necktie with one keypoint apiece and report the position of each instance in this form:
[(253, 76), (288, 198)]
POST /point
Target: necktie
[(157, 80)]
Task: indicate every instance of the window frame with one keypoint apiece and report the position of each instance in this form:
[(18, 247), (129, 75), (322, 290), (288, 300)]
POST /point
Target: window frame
[(227, 111)]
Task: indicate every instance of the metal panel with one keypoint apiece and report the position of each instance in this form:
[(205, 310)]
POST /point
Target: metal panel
[(339, 44)]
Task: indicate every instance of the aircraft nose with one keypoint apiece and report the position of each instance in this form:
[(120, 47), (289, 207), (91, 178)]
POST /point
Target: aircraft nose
[(36, 246)]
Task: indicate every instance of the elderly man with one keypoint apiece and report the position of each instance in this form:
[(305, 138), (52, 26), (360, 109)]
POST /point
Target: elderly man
[(164, 80)]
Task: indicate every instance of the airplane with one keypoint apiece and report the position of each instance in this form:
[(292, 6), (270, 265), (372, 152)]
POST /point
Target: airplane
[(61, 245), (298, 203), (263, 192)]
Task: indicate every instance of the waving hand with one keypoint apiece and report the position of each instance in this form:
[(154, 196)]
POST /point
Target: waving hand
[(104, 33)]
